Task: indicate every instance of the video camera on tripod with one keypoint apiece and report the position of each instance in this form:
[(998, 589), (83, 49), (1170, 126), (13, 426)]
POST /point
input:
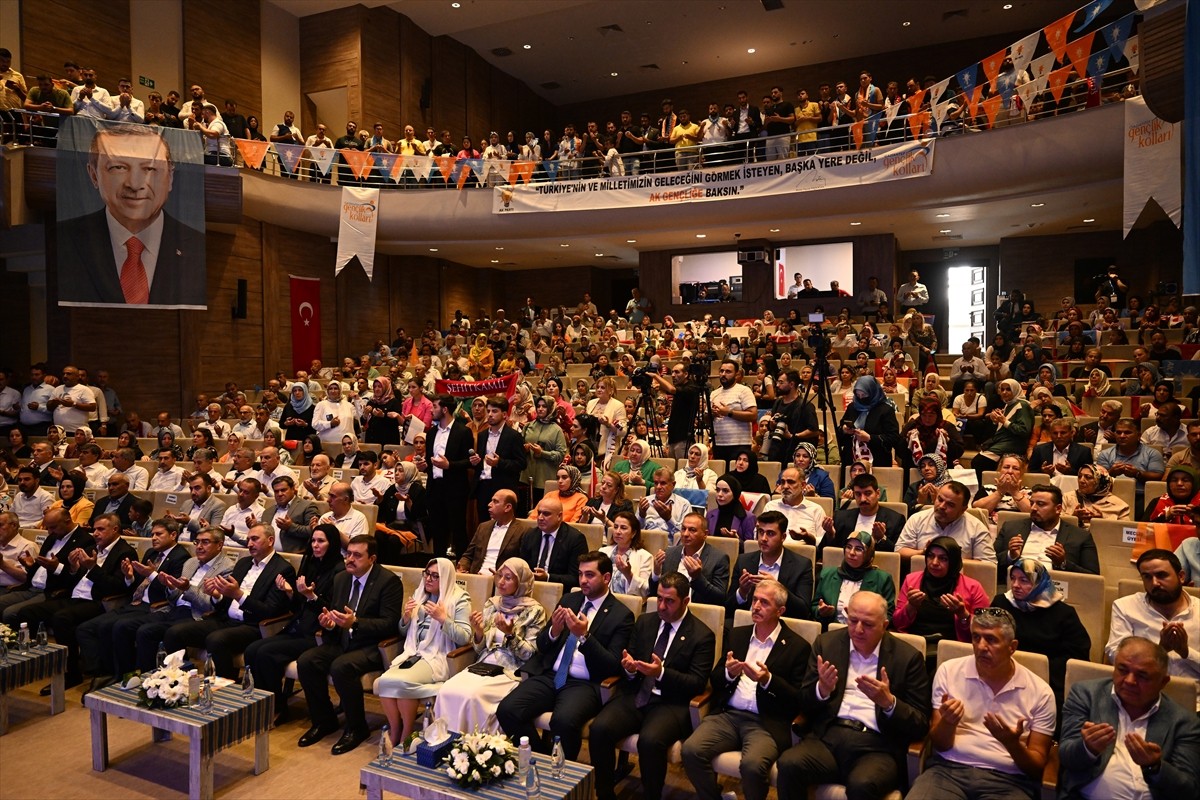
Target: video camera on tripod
[(773, 440)]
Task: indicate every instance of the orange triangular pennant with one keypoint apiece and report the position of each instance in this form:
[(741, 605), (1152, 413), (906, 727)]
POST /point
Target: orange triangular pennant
[(991, 107), (445, 165), (856, 131), (253, 152), (1057, 80), (918, 123), (973, 100), (1056, 35), (463, 174), (520, 170), (991, 67), (360, 161), (916, 100), (1079, 51)]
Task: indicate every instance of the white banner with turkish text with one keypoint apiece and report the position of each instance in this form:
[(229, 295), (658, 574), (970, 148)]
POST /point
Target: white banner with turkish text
[(356, 233), (1152, 156), (762, 179)]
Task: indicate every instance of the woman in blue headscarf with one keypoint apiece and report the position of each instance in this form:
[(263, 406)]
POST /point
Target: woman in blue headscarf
[(869, 431), (297, 419)]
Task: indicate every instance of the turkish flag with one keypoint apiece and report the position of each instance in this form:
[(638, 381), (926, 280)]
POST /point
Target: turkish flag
[(306, 321)]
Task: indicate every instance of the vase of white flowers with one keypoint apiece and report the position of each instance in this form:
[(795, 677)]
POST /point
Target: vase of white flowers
[(8, 636), (167, 686), (478, 759)]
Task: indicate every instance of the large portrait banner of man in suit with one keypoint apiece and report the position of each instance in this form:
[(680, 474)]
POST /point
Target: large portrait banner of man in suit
[(130, 216)]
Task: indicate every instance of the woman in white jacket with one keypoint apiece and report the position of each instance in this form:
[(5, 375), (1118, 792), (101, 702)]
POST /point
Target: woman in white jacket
[(333, 417)]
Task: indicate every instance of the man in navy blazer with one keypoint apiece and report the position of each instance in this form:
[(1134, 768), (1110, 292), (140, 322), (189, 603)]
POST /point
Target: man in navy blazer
[(132, 252), (1071, 550), (553, 548), (1162, 742), (859, 732), (753, 695), (447, 464), (244, 598), (772, 560), (666, 665), (582, 645), (886, 525), (355, 622), (499, 455), (707, 567), (1061, 455)]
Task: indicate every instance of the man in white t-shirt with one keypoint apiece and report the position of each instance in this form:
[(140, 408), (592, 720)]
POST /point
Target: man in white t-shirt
[(734, 410), (71, 402), (349, 521)]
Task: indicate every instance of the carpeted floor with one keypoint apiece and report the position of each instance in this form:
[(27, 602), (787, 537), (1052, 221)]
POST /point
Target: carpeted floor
[(49, 758)]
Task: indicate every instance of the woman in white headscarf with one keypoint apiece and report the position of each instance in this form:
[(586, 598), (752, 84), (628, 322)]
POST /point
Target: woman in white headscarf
[(333, 417), (696, 474), (436, 620), (504, 637)]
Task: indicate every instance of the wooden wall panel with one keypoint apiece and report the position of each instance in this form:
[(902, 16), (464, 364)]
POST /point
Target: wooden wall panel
[(227, 349), (478, 93), (330, 48), (380, 36), (363, 308), (449, 108), (222, 51), (415, 47), (288, 252), (90, 34), (467, 289), (415, 284)]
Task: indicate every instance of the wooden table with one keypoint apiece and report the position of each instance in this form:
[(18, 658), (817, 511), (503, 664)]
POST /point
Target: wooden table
[(405, 777), (234, 718), (39, 664)]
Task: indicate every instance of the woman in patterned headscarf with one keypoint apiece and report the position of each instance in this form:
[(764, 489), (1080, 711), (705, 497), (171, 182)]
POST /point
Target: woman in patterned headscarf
[(857, 572), (1094, 498)]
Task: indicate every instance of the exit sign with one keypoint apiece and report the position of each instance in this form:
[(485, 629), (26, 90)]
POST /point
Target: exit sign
[(147, 82)]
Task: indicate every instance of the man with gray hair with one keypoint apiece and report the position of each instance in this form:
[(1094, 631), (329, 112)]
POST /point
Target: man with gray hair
[(993, 720), (1122, 737), (1101, 431)]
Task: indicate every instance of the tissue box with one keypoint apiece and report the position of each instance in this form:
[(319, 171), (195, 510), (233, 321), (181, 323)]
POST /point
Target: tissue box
[(431, 756)]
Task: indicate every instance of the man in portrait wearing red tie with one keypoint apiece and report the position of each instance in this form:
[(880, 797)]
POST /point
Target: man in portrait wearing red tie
[(132, 252)]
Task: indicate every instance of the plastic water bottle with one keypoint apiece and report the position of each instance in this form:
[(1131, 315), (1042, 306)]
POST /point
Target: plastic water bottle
[(385, 746), (247, 682), (524, 757), (210, 669), (206, 698), (558, 759), (23, 639), (43, 640), (427, 718), (160, 657), (533, 784)]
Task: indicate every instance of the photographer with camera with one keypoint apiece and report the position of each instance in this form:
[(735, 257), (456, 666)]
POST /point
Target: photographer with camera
[(792, 420), (734, 409), (1110, 285), (685, 401)]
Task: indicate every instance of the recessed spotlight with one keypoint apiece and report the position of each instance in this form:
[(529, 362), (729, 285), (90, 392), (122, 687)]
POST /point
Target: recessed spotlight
[(944, 230), (1036, 205), (456, 5), (1089, 220), (433, 249), (750, 50), (906, 23), (701, 235), (774, 230), (1007, 6), (499, 248), (599, 255), (495, 261), (856, 223), (684, 62), (527, 46), (564, 245), (631, 241), (943, 215), (613, 74)]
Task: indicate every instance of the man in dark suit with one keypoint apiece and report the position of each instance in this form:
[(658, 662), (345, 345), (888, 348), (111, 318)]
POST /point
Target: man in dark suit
[(132, 252), (292, 518), (50, 472), (96, 637), (666, 665), (756, 695), (1061, 455), (582, 645), (1104, 428), (505, 528), (499, 455), (118, 502), (1045, 536), (98, 567), (553, 548), (773, 561), (885, 525), (448, 444), (364, 609), (1166, 750), (49, 577), (707, 567), (858, 731), (248, 595)]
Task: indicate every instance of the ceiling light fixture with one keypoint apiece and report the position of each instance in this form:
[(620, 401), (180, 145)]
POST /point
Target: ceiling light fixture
[(564, 245), (613, 74), (856, 223), (1036, 205), (750, 50), (527, 46), (701, 235), (599, 255), (631, 241), (944, 230), (1089, 220), (774, 230), (499, 248), (433, 249), (906, 23), (1007, 6), (943, 215), (456, 5), (495, 261)]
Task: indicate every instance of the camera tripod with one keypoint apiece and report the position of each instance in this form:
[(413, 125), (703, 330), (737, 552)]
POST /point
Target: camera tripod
[(820, 392), (645, 409)]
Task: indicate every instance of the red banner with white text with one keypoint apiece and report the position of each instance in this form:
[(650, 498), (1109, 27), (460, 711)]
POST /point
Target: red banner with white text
[(504, 384)]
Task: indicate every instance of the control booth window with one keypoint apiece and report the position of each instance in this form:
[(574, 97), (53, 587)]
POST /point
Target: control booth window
[(707, 277), (812, 270)]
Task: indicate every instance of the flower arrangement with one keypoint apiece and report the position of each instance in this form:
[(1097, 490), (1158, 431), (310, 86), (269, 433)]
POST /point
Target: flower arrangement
[(167, 686), (8, 635), (478, 759)]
